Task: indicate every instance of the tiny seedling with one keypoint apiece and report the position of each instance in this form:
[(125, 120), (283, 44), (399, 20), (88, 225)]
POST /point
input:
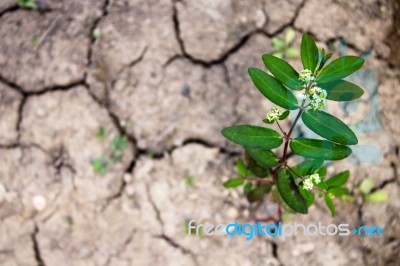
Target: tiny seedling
[(267, 169), (101, 133), (366, 187), (100, 165), (190, 181), (118, 146), (96, 34), (282, 48), (28, 4)]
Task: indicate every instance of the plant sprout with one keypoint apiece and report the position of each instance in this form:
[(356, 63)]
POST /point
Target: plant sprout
[(283, 47), (266, 169), (29, 4)]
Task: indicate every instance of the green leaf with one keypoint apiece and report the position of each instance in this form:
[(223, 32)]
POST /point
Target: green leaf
[(284, 115), (338, 180), (241, 168), (338, 191), (342, 90), (329, 204), (284, 72), (255, 167), (235, 182), (322, 149), (278, 198), (329, 127), (366, 185), (308, 167), (307, 195), (322, 185), (272, 89), (29, 4), (340, 68), (277, 43), (289, 36), (258, 193), (290, 192), (265, 158), (379, 196), (253, 136), (309, 53), (322, 172), (278, 54), (292, 53), (247, 188)]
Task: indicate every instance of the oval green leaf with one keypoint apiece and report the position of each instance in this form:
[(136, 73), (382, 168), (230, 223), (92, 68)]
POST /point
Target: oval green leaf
[(290, 192), (253, 136), (379, 196), (308, 196), (272, 89), (308, 167), (340, 68), (258, 193), (309, 53), (329, 204), (342, 90), (247, 188), (338, 180), (338, 191), (235, 182), (329, 127), (282, 71), (319, 149), (241, 168), (284, 115), (265, 158)]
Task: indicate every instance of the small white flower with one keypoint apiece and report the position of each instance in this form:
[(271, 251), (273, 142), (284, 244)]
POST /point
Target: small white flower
[(273, 115), (306, 75), (308, 184), (315, 178), (317, 97)]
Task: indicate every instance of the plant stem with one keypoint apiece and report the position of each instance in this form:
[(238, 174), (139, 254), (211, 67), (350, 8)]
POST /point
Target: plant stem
[(283, 132)]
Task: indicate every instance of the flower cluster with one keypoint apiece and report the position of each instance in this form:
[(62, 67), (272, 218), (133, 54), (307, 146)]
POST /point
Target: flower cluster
[(317, 97), (273, 115), (306, 75), (308, 184)]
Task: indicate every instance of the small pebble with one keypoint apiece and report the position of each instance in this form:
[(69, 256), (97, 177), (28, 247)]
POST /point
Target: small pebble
[(2, 193), (39, 203)]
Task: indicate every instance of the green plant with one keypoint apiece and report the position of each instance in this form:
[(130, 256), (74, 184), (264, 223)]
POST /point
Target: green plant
[(282, 48), (116, 151), (366, 188), (268, 170), (29, 4), (117, 147), (100, 165), (101, 133), (190, 181)]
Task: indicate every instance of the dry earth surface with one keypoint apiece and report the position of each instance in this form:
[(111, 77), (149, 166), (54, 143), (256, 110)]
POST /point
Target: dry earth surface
[(170, 75)]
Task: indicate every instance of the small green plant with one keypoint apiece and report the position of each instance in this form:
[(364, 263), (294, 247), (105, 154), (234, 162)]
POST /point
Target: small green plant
[(366, 188), (267, 169), (118, 146), (100, 165), (190, 181), (101, 133), (29, 4), (283, 47)]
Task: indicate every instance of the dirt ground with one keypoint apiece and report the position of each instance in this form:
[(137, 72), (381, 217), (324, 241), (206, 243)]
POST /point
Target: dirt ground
[(170, 75)]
